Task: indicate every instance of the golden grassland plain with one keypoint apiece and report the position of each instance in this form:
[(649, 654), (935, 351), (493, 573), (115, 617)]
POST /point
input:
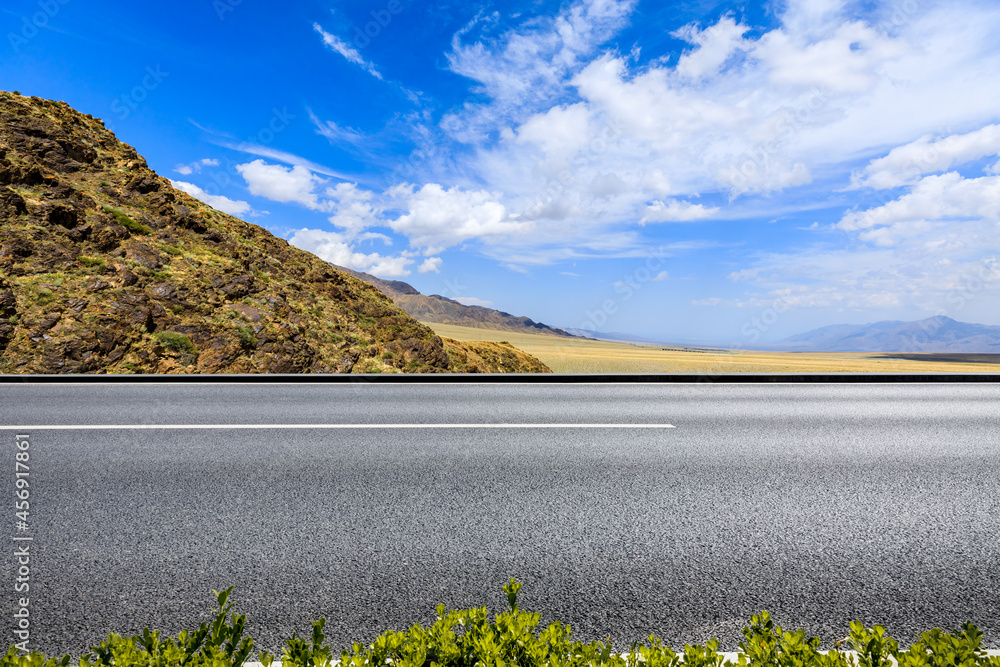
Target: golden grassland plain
[(577, 355)]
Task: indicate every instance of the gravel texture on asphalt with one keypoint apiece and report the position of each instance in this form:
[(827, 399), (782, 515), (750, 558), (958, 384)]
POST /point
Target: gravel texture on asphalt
[(821, 504)]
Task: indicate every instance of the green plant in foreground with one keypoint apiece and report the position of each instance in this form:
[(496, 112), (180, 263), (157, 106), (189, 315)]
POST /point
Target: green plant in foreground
[(469, 638), (300, 653), (873, 647), (766, 644), (13, 658), (216, 644), (940, 649)]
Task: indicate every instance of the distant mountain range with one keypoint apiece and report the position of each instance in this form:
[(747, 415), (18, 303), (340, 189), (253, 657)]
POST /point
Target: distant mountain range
[(442, 310), (938, 334)]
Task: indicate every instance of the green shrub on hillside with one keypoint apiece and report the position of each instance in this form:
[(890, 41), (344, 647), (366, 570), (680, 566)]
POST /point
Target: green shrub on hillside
[(177, 342), (247, 340), (125, 221)]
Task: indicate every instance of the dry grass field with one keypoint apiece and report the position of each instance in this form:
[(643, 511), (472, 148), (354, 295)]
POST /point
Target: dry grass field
[(569, 355)]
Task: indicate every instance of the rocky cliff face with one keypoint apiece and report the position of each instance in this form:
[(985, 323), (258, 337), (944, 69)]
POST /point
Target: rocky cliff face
[(106, 268)]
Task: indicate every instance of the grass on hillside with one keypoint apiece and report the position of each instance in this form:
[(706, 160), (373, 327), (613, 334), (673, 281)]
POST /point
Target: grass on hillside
[(577, 355)]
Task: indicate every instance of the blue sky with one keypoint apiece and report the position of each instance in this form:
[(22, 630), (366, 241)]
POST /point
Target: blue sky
[(730, 173)]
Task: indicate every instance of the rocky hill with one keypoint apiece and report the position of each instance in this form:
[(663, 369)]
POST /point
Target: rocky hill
[(106, 268), (442, 310)]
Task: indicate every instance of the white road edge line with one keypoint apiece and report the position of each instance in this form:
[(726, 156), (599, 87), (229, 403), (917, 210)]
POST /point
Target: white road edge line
[(81, 427)]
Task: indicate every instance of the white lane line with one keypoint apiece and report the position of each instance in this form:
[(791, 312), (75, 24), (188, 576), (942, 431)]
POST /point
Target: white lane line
[(81, 427)]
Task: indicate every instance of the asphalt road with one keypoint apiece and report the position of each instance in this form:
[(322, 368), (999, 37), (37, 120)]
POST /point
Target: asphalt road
[(819, 503)]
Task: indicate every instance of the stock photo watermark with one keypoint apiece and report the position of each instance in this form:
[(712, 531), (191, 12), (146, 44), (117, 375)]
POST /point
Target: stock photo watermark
[(970, 287), (381, 18), (278, 123), (22, 543), (626, 288), (223, 7), (125, 104), (901, 15), (566, 177), (756, 160), (31, 25), (762, 322)]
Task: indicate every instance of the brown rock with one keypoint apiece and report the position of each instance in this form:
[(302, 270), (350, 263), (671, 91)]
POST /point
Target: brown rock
[(239, 287), (63, 216), (143, 183), (18, 247), (163, 291), (246, 311), (49, 321), (144, 255), (11, 204), (106, 237), (95, 284)]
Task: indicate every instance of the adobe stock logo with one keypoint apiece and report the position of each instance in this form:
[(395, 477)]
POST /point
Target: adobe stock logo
[(47, 10), (125, 104), (381, 20), (223, 7)]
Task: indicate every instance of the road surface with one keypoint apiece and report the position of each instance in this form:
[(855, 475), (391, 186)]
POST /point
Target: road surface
[(819, 503)]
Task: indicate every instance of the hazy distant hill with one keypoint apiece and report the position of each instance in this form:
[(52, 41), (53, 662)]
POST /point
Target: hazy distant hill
[(441, 310), (934, 334)]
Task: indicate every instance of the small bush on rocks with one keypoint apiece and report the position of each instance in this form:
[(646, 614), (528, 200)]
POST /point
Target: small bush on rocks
[(177, 342), (125, 221)]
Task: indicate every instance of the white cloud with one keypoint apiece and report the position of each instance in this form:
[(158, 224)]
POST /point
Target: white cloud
[(438, 218), (849, 59), (525, 69), (333, 132), (274, 182), (582, 141), (715, 45), (373, 236), (662, 275), (335, 249), (431, 264), (676, 211), (924, 156), (918, 252), (473, 301), (224, 204), (354, 209), (351, 54), (286, 157), (195, 167), (945, 197), (568, 146), (912, 277)]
